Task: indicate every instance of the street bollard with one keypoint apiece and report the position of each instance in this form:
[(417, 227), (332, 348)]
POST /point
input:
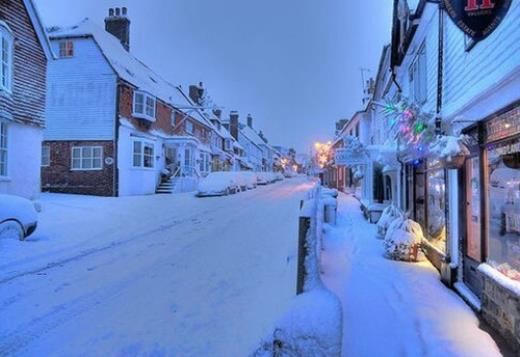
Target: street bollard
[(304, 225), (330, 213)]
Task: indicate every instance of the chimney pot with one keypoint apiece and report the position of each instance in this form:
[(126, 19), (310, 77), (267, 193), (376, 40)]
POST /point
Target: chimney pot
[(250, 121), (119, 26), (124, 11)]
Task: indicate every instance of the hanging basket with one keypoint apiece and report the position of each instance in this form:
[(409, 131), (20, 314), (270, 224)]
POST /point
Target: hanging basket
[(454, 162)]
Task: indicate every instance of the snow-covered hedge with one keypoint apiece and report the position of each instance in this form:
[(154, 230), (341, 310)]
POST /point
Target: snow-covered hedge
[(403, 239), (389, 214), (311, 327)]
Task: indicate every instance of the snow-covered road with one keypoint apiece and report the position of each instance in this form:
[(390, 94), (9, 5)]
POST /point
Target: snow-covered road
[(155, 275), (394, 308)]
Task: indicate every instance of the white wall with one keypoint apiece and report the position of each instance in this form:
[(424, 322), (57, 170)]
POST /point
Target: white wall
[(137, 181), (485, 79), (23, 161), (81, 95)]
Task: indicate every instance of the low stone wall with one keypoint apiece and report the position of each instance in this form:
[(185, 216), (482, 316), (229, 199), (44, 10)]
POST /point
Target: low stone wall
[(501, 310)]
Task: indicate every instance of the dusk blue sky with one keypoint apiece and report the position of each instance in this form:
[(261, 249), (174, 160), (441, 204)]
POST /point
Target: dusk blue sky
[(293, 64)]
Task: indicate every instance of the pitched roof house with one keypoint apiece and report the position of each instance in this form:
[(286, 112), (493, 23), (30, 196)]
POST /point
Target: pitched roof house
[(113, 124), (25, 51)]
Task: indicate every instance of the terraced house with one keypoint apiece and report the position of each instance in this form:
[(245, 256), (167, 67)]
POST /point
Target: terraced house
[(114, 126), (24, 52)]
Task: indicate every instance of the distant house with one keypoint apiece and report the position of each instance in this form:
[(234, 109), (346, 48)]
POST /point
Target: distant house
[(24, 50), (113, 124), (249, 141)]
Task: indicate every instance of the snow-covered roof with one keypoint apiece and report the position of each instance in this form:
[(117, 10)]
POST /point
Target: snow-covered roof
[(126, 65), (251, 135)]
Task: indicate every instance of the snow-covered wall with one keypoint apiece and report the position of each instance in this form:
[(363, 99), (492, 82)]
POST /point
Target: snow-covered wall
[(81, 95), (23, 161), (486, 78)]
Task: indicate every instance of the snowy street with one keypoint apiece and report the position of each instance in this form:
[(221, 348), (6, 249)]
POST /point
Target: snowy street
[(151, 275), (394, 308)]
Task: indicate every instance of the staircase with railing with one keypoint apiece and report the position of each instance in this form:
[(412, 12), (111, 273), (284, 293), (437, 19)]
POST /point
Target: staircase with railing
[(184, 179)]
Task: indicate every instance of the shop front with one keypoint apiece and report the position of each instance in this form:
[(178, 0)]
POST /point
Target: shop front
[(490, 220)]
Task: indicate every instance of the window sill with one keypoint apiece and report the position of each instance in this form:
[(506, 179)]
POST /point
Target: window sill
[(5, 179), (75, 170), (144, 117), (142, 168)]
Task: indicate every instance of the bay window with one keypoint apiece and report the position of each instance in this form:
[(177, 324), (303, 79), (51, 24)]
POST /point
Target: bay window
[(144, 106), (143, 154), (3, 149), (6, 57), (85, 158)]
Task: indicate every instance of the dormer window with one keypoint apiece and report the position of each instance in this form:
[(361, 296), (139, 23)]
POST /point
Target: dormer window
[(6, 57), (144, 106), (66, 49), (189, 127), (227, 145)]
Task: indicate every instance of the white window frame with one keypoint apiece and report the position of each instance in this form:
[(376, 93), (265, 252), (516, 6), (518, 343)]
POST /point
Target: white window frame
[(46, 155), (6, 59), (173, 117), (4, 149), (66, 49), (227, 144), (82, 158), (191, 127), (418, 77), (144, 110), (141, 154)]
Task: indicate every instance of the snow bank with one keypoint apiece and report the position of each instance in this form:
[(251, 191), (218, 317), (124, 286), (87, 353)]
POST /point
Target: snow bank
[(389, 214), (312, 327)]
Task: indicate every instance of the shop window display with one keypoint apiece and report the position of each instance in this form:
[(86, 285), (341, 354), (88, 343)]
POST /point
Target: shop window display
[(504, 207)]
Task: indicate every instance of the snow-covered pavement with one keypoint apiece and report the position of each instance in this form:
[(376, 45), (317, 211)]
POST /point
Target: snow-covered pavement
[(393, 308), (153, 275)]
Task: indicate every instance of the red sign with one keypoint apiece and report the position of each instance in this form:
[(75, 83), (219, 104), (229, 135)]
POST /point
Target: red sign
[(477, 18)]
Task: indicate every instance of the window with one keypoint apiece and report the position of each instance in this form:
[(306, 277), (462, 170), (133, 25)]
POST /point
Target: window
[(189, 127), (66, 49), (144, 106), (436, 211), (504, 208), (3, 149), (417, 72), (143, 154), (6, 57), (174, 117), (86, 158), (46, 155), (227, 145)]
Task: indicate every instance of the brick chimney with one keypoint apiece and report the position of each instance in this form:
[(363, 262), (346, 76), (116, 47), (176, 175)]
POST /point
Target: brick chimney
[(233, 124), (196, 93), (118, 24), (250, 121)]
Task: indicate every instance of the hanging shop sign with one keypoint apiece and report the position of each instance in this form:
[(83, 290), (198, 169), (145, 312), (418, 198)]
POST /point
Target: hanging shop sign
[(477, 18), (349, 157), (503, 126)]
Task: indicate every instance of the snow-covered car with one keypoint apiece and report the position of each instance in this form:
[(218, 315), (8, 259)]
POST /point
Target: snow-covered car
[(219, 184), (251, 179), (262, 178), (18, 217), (279, 176)]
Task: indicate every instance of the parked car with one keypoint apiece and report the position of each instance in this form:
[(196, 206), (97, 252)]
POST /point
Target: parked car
[(262, 178), (251, 179), (279, 176), (219, 184), (18, 217)]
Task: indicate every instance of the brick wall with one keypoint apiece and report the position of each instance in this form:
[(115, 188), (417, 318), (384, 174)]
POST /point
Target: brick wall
[(501, 309), (59, 177), (163, 117)]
